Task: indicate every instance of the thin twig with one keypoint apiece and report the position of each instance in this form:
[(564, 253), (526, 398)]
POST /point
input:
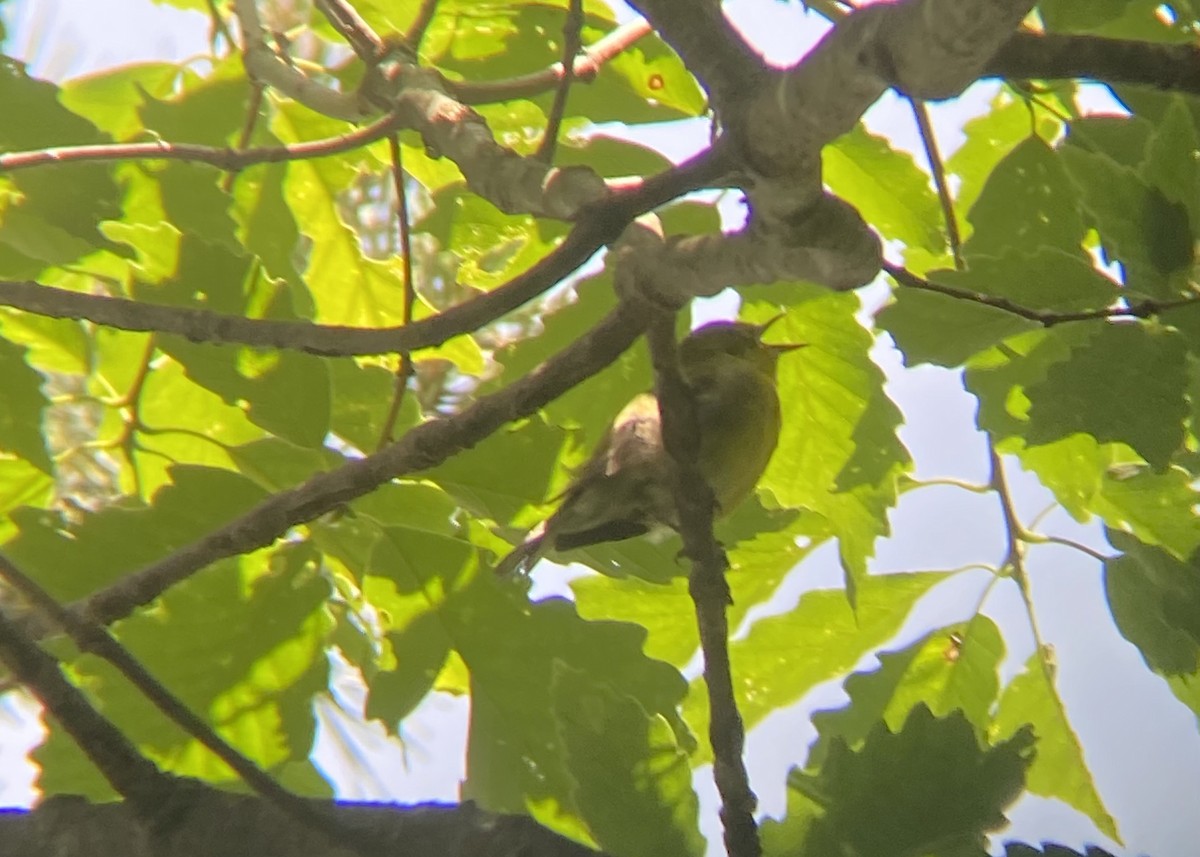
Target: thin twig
[(94, 639), (973, 487), (1044, 317), (231, 159), (423, 447), (344, 18), (218, 27), (937, 169), (598, 225), (253, 107), (1042, 538), (585, 67), (265, 65), (416, 30), (1018, 538), (708, 588), (131, 774), (572, 28), (405, 370)]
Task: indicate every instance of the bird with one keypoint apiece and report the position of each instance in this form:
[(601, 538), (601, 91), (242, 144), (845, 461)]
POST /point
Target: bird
[(624, 489)]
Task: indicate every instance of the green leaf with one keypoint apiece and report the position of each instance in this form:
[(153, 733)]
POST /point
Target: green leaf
[(886, 186), (1171, 165), (276, 464), (1126, 384), (424, 564), (936, 328), (950, 670), (183, 423), (21, 407), (347, 287), (763, 548), (1155, 601), (508, 472), (1108, 480), (1028, 202), (514, 757), (21, 485), (362, 396), (112, 98), (267, 229), (1122, 139), (491, 247), (989, 139), (208, 109), (77, 561), (57, 219), (286, 392), (838, 453), (1059, 770), (999, 376), (634, 782), (1139, 225), (945, 331), (421, 648), (242, 645), (611, 156), (591, 406), (53, 344), (929, 789), (783, 657), (1126, 19)]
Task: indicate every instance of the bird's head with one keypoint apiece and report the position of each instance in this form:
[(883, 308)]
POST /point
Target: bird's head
[(716, 343)]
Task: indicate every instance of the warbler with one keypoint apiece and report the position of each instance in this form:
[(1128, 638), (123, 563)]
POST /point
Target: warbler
[(624, 488)]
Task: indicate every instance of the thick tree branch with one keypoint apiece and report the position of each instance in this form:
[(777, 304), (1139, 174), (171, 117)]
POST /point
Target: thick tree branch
[(221, 823), (1052, 56)]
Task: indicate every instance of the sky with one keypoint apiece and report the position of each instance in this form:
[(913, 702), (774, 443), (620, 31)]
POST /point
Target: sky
[(1140, 742)]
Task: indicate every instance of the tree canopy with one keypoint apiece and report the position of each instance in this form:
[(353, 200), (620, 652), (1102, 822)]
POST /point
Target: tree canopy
[(298, 337)]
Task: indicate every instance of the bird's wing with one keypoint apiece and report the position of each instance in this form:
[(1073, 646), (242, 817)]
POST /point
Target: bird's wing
[(635, 439), (621, 490)]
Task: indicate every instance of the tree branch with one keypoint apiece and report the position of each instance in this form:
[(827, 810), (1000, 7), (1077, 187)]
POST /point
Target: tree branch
[(571, 44), (1053, 56), (423, 447), (708, 588), (66, 706), (599, 225), (264, 66), (586, 65), (1044, 317), (231, 159), (343, 17), (130, 774)]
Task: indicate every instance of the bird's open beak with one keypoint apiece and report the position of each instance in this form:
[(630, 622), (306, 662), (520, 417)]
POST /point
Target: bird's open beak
[(780, 347)]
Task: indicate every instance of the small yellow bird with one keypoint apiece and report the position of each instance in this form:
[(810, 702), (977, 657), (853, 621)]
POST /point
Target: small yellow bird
[(624, 489)]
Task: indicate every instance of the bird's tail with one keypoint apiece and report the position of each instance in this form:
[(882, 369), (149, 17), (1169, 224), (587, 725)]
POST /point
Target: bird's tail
[(520, 559)]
